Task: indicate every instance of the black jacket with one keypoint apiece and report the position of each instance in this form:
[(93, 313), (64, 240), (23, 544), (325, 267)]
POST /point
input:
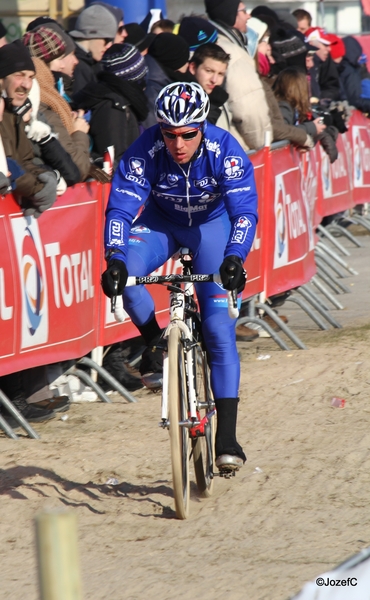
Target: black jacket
[(350, 75), (156, 79), (117, 107), (328, 78), (86, 71)]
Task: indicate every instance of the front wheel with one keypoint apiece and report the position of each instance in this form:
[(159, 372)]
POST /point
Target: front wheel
[(179, 435), (203, 446)]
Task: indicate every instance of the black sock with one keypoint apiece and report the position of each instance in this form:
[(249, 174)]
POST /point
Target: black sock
[(227, 410), (150, 330)]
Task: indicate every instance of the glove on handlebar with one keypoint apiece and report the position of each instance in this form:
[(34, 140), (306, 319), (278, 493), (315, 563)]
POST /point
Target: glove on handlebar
[(112, 287), (233, 275)]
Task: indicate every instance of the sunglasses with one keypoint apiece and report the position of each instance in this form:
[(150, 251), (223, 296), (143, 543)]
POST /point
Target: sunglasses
[(121, 29), (107, 41), (188, 135)]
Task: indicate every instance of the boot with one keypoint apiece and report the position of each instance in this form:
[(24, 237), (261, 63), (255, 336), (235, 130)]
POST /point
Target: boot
[(14, 391), (229, 454)]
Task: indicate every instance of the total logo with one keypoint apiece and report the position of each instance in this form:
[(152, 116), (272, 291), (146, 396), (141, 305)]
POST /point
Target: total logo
[(325, 174), (31, 265), (281, 246), (357, 162)]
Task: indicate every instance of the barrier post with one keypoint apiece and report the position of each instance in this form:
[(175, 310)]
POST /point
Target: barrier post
[(58, 565)]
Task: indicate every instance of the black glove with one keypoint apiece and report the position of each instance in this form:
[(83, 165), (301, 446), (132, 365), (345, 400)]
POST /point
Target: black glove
[(233, 275), (4, 184), (46, 197), (110, 286)]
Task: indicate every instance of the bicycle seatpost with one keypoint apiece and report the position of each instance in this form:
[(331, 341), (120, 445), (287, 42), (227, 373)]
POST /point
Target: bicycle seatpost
[(115, 277)]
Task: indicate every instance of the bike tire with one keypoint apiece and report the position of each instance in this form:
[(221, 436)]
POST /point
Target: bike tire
[(178, 411), (203, 447)]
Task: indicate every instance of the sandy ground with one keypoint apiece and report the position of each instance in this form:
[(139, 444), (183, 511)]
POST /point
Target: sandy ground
[(297, 508)]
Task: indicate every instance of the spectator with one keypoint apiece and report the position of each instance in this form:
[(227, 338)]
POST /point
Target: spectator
[(167, 61), (162, 26), (208, 65), (117, 102), (35, 189), (291, 91), (94, 32), (197, 31), (117, 12), (327, 74), (247, 102), (46, 45), (349, 71), (304, 19), (62, 67), (153, 16), (138, 37)]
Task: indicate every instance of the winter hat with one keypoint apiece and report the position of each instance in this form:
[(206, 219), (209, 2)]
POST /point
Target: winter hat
[(44, 43), (316, 34), (222, 10), (337, 48), (288, 20), (138, 37), (197, 31), (286, 44), (52, 24), (125, 61), (169, 50), (116, 11), (95, 22), (15, 57)]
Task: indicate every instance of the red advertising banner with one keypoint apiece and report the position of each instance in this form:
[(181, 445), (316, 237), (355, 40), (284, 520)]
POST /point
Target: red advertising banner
[(360, 142), (290, 249), (334, 182), (49, 282)]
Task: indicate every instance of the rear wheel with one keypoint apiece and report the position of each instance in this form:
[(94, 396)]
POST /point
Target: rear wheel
[(203, 446), (179, 435)]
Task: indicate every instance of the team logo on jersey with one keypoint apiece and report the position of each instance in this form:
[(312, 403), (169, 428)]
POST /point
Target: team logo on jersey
[(137, 166), (241, 228), (139, 229), (233, 167), (172, 179), (206, 181)]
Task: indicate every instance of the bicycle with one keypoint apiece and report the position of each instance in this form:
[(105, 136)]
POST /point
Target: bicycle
[(187, 409)]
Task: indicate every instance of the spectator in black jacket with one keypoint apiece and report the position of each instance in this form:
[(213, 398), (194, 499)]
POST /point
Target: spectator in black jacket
[(117, 101), (350, 75), (327, 74), (94, 32)]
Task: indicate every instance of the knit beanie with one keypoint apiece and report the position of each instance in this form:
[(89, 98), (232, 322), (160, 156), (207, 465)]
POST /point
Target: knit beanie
[(223, 10), (15, 57), (170, 50), (125, 61), (286, 44), (138, 37), (116, 11), (44, 43), (197, 31)]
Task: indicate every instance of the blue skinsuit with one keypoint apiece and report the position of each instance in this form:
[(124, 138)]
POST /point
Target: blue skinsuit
[(208, 205)]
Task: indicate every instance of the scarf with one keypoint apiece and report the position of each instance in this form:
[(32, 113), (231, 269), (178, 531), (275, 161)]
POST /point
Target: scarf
[(50, 96)]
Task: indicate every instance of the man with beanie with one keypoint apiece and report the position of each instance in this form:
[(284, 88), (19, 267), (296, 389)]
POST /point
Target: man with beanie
[(117, 101), (36, 188), (94, 32), (167, 61), (247, 102)]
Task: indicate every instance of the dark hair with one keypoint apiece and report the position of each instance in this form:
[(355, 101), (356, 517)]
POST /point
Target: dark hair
[(291, 85), (301, 14), (209, 50), (164, 24)]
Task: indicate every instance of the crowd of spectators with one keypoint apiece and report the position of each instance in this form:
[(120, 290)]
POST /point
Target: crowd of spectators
[(69, 93)]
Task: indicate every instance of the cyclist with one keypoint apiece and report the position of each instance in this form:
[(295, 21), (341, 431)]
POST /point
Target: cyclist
[(198, 191)]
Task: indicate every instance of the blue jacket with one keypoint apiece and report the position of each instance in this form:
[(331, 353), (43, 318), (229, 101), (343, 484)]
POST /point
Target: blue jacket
[(220, 179)]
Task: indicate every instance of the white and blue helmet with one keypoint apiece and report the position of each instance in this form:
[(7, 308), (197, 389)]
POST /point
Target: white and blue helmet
[(179, 104)]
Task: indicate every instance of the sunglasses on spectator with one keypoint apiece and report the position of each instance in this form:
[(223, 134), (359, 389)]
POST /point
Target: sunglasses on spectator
[(121, 29), (188, 135), (107, 41)]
